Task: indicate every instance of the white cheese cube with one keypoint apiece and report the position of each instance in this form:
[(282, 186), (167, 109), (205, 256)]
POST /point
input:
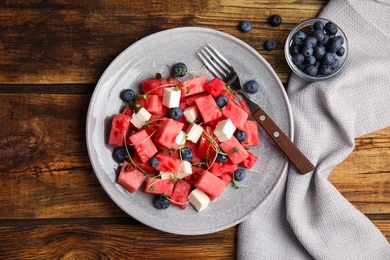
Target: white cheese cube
[(171, 97), (184, 170), (140, 118), (194, 132), (199, 199), (180, 140), (191, 113), (224, 130), (166, 175)]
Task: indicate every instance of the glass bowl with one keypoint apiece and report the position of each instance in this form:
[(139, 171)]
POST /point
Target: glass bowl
[(307, 28)]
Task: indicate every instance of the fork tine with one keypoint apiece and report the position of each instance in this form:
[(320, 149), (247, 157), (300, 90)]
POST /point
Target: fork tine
[(217, 53), (208, 64), (214, 54)]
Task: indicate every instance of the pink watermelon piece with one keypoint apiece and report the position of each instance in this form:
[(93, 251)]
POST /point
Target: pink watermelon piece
[(210, 184), (235, 151), (249, 161), (236, 114), (219, 169), (190, 101), (252, 135), (159, 186), (143, 145), (153, 104), (167, 163), (130, 178), (156, 86), (127, 111), (180, 193), (208, 109), (167, 132), (192, 86), (142, 166), (215, 87), (119, 127)]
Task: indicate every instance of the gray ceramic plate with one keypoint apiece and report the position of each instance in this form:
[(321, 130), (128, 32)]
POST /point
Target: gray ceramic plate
[(142, 60)]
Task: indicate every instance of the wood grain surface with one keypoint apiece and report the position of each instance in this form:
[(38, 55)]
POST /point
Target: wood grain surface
[(52, 53)]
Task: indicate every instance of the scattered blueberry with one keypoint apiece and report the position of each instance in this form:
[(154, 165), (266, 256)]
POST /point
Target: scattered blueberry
[(176, 113), (240, 135), (161, 202), (127, 95), (221, 101), (330, 28), (153, 162), (186, 153), (239, 175), (245, 26), (275, 20), (179, 70), (252, 86), (119, 154), (270, 45), (222, 158)]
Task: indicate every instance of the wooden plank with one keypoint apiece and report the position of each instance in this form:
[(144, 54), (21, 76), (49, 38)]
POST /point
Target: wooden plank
[(59, 43), (46, 173), (101, 241)]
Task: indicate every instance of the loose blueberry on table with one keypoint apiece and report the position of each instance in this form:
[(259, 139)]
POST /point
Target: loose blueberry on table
[(245, 26), (270, 45), (275, 20)]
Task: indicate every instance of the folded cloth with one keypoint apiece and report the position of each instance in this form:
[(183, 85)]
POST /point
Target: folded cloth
[(305, 217)]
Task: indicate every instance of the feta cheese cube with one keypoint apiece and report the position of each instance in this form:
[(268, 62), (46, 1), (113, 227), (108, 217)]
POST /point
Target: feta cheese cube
[(184, 170), (140, 118), (171, 97), (180, 140), (224, 130), (199, 199), (194, 132), (191, 113), (166, 175)]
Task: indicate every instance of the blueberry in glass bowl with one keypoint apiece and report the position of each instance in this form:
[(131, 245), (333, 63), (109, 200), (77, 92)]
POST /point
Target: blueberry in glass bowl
[(316, 49)]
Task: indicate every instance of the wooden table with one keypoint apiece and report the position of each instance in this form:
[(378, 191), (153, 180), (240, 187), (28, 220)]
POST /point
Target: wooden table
[(51, 56)]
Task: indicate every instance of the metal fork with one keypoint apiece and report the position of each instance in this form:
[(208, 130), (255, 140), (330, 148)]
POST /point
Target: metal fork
[(221, 68)]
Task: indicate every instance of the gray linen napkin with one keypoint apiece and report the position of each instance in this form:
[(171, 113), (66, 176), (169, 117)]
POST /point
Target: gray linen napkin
[(306, 217)]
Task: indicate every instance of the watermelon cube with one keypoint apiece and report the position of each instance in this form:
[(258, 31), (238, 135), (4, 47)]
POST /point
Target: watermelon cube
[(207, 144), (232, 96), (235, 151), (130, 178), (180, 193), (208, 109), (167, 163), (249, 161), (167, 132), (190, 101), (252, 135), (226, 177), (210, 184), (144, 167), (127, 111), (215, 87), (119, 127), (192, 86), (153, 104), (235, 113), (143, 145), (159, 186), (219, 169), (155, 86)]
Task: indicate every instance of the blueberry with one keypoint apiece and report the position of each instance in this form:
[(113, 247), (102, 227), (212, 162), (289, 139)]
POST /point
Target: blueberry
[(222, 158), (119, 154), (310, 41), (275, 20), (294, 49), (299, 37), (221, 101), (179, 70), (319, 35), (153, 162), (245, 26), (161, 202), (298, 59), (325, 40), (340, 52), (324, 69), (252, 86), (334, 44), (270, 45), (319, 51), (328, 58), (330, 28), (335, 64), (186, 153), (176, 113), (239, 175), (307, 51), (310, 70), (311, 60), (318, 25), (127, 95), (240, 135)]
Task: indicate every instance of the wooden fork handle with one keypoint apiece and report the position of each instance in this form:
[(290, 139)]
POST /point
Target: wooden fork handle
[(296, 157)]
